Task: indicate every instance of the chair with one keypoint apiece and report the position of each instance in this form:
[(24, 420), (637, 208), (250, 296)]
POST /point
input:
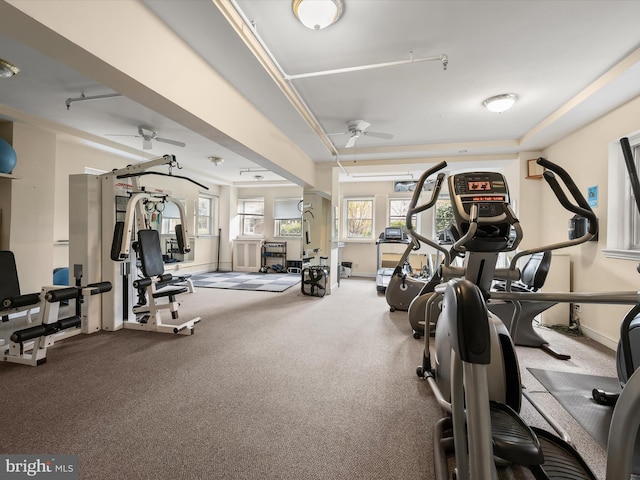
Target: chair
[(532, 277)]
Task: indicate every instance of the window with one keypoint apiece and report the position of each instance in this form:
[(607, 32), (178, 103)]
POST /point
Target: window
[(251, 213), (287, 217), (623, 220), (205, 216), (359, 218), (398, 214), (443, 218)]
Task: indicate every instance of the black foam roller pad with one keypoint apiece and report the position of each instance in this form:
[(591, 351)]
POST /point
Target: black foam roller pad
[(21, 336), (100, 287), (69, 322), (21, 300), (142, 283), (62, 294), (165, 277)]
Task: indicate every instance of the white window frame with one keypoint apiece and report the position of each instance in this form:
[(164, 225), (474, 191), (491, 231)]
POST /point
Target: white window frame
[(212, 215), (619, 225), (415, 218), (242, 215), (346, 235), (279, 219)]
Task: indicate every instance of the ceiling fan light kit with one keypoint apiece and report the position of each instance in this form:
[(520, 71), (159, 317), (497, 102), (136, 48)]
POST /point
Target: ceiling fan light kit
[(317, 14), (7, 70), (500, 103)]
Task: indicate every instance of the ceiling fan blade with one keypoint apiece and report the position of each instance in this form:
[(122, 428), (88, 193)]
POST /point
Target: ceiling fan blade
[(387, 136), (351, 142), (146, 144), (171, 142), (335, 133), (120, 135), (358, 125)]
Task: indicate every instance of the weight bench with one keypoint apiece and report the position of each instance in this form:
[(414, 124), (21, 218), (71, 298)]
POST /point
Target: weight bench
[(28, 346), (156, 284)]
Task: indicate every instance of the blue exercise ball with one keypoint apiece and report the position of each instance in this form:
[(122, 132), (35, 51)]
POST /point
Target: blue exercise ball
[(8, 157)]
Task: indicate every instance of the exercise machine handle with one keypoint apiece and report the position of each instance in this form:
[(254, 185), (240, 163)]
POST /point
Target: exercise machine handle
[(412, 210), (581, 207), (631, 169), (568, 181), (566, 203)]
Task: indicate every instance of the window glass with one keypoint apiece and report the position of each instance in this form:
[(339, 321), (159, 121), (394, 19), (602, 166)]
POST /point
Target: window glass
[(288, 219), (398, 214), (288, 228), (251, 213), (205, 216), (443, 219), (359, 218)]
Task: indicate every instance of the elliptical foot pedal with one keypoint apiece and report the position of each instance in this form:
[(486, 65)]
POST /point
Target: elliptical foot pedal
[(561, 460), (604, 398), (513, 440)]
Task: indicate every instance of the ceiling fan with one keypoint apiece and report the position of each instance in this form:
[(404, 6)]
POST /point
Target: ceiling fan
[(147, 134), (355, 128)]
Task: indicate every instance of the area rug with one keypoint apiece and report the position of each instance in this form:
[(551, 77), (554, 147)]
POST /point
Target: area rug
[(573, 392), (260, 282)]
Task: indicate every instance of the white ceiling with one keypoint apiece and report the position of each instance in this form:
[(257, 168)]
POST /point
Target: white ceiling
[(569, 62)]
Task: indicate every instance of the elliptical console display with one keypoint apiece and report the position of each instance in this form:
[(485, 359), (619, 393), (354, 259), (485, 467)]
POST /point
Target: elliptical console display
[(488, 192)]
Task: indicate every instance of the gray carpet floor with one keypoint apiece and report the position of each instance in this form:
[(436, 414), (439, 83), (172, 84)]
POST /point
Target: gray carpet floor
[(281, 386)]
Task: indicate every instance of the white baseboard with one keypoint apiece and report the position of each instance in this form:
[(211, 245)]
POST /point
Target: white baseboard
[(607, 342)]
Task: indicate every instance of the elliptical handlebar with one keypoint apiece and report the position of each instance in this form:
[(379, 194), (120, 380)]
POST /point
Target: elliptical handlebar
[(580, 207), (566, 203), (413, 209)]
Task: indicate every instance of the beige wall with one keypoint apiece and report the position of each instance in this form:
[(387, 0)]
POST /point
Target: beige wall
[(32, 206), (585, 156)]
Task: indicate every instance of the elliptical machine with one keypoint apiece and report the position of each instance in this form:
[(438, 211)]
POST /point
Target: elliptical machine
[(474, 355), (402, 290)]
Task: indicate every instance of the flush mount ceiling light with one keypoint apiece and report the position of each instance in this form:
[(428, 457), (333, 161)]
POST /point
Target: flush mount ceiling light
[(7, 70), (217, 161), (317, 14), (500, 103)]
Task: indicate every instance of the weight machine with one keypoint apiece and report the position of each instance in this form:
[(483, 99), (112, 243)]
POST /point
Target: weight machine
[(102, 235)]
